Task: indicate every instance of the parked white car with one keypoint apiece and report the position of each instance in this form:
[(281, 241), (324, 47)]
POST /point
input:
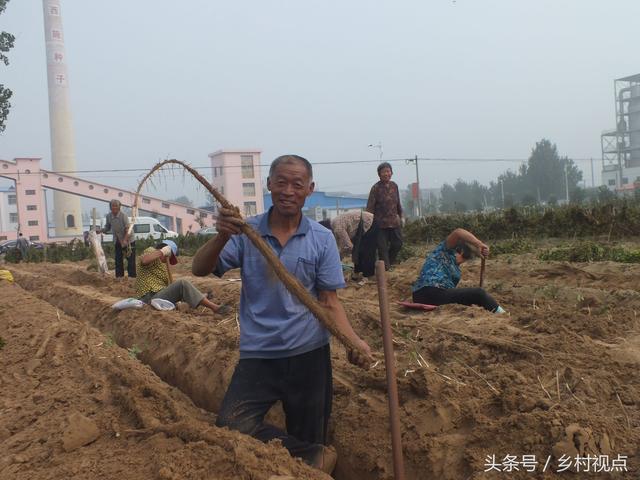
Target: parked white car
[(145, 227), (207, 231)]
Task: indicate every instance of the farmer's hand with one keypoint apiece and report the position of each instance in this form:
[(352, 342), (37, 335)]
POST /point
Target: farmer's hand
[(228, 222), (362, 359), (166, 251), (484, 250)]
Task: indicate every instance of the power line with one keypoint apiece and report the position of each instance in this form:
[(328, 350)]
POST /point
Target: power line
[(315, 164)]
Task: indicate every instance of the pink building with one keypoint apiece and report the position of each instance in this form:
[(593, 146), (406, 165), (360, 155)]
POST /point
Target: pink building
[(236, 174), (31, 181), (8, 211)]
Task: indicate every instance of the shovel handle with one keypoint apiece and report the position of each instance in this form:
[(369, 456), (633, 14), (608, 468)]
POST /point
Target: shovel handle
[(166, 260), (475, 250)]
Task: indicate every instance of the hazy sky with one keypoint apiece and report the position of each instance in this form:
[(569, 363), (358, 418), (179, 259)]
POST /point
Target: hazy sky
[(152, 79)]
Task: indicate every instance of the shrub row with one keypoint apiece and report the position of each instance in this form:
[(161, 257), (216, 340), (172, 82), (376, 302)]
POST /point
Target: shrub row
[(616, 219), (76, 250), (590, 252)]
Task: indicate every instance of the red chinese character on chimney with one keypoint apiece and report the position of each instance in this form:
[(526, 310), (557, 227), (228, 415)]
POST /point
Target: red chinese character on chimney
[(60, 78), (57, 57), (53, 10), (56, 34)]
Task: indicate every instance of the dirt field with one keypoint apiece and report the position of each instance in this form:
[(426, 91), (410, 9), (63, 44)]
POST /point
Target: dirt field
[(88, 392)]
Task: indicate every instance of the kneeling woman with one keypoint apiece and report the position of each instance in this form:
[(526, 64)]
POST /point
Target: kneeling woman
[(436, 284), (153, 280)]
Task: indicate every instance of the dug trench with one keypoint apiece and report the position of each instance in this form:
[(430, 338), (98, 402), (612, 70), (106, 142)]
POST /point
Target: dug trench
[(75, 405), (471, 384)]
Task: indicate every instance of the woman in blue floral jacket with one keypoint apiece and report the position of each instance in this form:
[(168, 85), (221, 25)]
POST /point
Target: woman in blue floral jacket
[(440, 274)]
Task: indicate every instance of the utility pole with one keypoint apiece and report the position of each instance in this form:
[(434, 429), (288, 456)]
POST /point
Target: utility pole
[(379, 147), (566, 181), (418, 201), (592, 180), (502, 191), (94, 216), (418, 188)]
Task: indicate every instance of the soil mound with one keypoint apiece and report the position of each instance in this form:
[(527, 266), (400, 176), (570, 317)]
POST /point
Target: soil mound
[(555, 376)]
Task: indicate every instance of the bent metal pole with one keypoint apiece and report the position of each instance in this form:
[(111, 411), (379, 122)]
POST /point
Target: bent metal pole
[(390, 366)]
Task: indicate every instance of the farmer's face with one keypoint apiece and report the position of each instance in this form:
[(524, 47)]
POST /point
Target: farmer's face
[(385, 174), (290, 185), (115, 208), (460, 259)]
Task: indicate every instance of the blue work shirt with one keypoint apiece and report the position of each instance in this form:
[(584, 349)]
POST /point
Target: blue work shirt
[(439, 270), (274, 323)]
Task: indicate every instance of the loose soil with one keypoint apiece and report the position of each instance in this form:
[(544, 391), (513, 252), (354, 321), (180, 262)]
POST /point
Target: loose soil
[(88, 392)]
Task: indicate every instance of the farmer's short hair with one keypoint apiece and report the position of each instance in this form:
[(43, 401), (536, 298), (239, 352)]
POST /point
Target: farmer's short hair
[(384, 165), (464, 249), (286, 159), (115, 202)]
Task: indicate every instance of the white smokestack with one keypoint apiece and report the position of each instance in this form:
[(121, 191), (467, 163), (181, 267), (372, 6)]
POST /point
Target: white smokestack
[(67, 212)]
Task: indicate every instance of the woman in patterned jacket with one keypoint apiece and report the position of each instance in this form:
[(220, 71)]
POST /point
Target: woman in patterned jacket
[(153, 280)]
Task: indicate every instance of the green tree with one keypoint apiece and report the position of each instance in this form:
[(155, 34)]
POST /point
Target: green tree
[(447, 198), (511, 185), (578, 195), (528, 200), (605, 195), (6, 44), (463, 196), (545, 172)]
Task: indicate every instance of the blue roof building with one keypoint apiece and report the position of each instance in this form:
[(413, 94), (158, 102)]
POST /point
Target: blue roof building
[(320, 205)]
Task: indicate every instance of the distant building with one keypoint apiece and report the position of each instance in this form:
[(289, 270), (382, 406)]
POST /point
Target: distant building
[(31, 182), (8, 212), (322, 205), (621, 146), (236, 175)]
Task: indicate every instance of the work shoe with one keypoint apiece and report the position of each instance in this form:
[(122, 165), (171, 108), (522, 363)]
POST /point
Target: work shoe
[(356, 277), (223, 309), (327, 459)]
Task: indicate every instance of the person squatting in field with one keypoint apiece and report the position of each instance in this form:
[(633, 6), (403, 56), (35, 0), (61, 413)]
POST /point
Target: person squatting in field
[(356, 234), (440, 273), (153, 280), (284, 349)]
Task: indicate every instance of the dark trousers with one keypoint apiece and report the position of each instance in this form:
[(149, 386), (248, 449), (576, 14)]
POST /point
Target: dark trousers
[(364, 251), (303, 383), (464, 296), (389, 244), (131, 260)]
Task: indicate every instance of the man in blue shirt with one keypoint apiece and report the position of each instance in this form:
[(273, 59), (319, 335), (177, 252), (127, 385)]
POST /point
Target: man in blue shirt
[(284, 350)]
